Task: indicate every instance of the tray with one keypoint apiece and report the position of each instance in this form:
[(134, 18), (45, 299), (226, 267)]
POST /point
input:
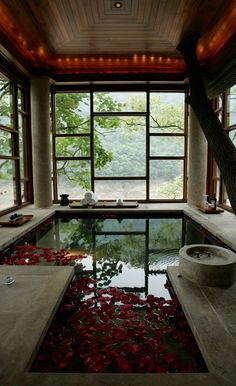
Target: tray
[(104, 204), (209, 210), (17, 223)]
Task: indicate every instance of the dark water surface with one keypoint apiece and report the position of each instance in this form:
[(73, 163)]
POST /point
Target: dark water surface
[(119, 314)]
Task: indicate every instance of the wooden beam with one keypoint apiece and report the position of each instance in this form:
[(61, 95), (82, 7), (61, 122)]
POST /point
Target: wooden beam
[(222, 147)]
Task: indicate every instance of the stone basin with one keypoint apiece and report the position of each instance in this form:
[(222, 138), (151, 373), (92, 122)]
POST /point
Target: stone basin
[(208, 265)]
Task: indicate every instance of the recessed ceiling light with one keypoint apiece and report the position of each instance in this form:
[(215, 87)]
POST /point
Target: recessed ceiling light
[(118, 4)]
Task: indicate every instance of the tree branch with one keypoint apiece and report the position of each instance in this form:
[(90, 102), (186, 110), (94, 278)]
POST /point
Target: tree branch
[(164, 126), (72, 127)]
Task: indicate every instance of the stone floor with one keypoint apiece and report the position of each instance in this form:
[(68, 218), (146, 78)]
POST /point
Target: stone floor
[(28, 305), (211, 315)]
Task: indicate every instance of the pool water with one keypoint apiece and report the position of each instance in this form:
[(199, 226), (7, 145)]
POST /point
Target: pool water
[(111, 330), (121, 251), (120, 313)]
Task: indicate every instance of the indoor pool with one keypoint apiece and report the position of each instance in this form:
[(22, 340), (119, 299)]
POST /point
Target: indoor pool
[(125, 251), (120, 313)]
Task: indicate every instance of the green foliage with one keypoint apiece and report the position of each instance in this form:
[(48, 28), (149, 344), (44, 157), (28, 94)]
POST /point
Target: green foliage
[(166, 117), (119, 143), (73, 117), (172, 189), (103, 102), (72, 113), (71, 171), (126, 144), (110, 252), (101, 156), (6, 110)]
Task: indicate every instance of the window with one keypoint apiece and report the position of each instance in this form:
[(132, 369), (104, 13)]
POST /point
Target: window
[(14, 171), (167, 145), (72, 144), (23, 137), (129, 144), (119, 127), (225, 107), (231, 107), (230, 128), (214, 179)]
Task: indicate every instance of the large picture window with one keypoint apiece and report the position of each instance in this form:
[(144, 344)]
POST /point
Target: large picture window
[(129, 144)]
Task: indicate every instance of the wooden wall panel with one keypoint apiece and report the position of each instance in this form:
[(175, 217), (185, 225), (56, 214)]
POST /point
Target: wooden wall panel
[(94, 27)]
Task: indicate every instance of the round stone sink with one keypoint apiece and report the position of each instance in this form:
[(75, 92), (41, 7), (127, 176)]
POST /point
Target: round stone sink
[(208, 265)]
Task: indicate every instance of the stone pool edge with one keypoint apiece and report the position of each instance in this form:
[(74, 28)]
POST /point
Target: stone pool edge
[(29, 316), (223, 225), (27, 307), (215, 335)]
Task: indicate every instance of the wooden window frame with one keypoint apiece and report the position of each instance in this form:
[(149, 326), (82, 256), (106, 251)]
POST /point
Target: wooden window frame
[(111, 88), (211, 178), (15, 156)]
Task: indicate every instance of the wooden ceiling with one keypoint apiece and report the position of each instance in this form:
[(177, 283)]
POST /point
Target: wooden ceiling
[(84, 36)]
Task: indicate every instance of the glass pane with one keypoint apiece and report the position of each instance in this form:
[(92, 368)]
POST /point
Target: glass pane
[(73, 146), (7, 185), (21, 121), (216, 180), (167, 146), (232, 136), (166, 179), (21, 99), (6, 106), (220, 101), (120, 101), (73, 178), (72, 113), (5, 142), (23, 192), (225, 197), (220, 115), (231, 106), (120, 146), (167, 112), (126, 189), (217, 189)]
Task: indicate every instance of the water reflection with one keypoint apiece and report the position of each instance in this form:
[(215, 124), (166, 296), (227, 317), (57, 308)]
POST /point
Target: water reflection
[(129, 253)]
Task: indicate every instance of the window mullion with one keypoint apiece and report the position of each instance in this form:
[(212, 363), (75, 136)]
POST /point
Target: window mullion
[(16, 150), (148, 146), (92, 133)]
